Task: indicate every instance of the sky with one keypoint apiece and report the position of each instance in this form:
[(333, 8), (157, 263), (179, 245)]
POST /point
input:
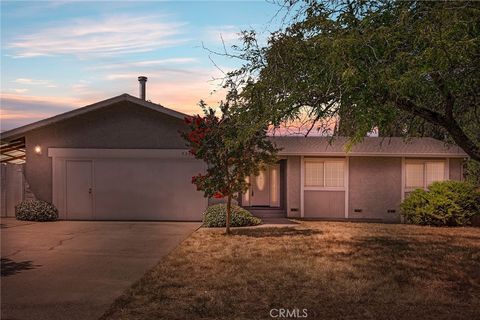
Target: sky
[(60, 55)]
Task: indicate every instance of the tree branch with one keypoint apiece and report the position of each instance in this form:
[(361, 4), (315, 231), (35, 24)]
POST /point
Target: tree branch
[(452, 127), (447, 94)]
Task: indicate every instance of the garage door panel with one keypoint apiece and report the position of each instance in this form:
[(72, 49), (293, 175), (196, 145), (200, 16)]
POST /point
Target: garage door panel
[(131, 184), (147, 189)]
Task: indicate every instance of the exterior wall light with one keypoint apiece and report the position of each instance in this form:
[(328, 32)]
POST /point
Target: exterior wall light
[(38, 149)]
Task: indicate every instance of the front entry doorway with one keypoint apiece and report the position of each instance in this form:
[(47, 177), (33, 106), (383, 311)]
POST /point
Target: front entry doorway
[(264, 188), (260, 189)]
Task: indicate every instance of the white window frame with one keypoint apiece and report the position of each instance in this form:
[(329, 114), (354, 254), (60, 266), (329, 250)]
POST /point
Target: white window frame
[(324, 161), (424, 163)]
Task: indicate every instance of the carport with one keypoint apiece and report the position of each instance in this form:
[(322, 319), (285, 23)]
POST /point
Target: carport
[(12, 159)]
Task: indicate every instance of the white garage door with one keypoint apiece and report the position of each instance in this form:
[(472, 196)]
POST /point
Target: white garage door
[(106, 187)]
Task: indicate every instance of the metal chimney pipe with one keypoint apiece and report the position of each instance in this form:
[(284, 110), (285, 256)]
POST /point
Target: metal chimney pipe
[(143, 89)]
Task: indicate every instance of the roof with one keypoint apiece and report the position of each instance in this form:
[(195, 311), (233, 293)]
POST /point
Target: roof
[(370, 146), (17, 132), (290, 145)]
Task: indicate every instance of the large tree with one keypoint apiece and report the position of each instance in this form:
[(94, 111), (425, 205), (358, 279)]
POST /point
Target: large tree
[(230, 155), (406, 68)]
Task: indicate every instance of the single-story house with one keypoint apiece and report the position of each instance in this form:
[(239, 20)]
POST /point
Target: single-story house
[(124, 159)]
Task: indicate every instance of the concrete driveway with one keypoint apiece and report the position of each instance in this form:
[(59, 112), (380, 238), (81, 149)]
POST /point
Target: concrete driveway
[(76, 269)]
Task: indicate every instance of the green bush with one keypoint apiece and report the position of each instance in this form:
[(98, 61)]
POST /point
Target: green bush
[(36, 210), (215, 216), (446, 203), (472, 172)]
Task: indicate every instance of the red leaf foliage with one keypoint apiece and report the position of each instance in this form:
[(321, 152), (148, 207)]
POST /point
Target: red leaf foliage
[(218, 195)]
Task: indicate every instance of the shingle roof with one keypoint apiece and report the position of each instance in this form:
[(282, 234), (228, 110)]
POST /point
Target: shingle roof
[(370, 146)]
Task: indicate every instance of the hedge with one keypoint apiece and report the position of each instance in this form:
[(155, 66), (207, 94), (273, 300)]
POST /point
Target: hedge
[(446, 203), (36, 210), (215, 216)]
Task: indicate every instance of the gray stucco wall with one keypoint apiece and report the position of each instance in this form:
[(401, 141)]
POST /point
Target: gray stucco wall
[(375, 187), (293, 186), (120, 126), (324, 204)]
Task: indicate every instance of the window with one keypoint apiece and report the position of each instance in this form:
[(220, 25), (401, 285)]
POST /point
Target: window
[(421, 174), (414, 175), (314, 173), (324, 173), (275, 185), (334, 174), (434, 171)]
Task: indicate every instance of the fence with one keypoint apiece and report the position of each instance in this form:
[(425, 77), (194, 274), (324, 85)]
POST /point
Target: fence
[(11, 187)]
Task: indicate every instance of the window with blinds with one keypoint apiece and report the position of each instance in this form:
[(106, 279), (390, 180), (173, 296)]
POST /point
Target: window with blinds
[(420, 174), (324, 173), (314, 173), (434, 171), (334, 174), (414, 175)]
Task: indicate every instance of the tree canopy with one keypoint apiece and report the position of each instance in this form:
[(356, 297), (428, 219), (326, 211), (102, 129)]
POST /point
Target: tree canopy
[(408, 68)]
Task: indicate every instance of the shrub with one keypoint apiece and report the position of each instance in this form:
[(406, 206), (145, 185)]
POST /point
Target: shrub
[(447, 203), (36, 210), (472, 172), (215, 216)]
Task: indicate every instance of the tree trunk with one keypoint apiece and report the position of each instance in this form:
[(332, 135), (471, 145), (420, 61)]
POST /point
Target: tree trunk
[(463, 141), (229, 209)]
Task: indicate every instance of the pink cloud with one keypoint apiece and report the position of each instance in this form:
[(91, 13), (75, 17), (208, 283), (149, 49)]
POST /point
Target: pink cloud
[(179, 89), (19, 109), (54, 101)]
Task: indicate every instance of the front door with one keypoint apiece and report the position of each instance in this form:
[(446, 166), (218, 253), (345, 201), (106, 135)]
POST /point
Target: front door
[(79, 199), (261, 189)]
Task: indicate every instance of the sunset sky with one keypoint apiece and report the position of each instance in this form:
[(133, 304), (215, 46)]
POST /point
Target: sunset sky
[(60, 55)]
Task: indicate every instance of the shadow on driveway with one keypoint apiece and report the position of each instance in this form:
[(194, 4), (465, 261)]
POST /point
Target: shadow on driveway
[(10, 267)]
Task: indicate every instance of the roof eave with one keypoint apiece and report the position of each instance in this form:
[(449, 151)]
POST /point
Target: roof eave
[(374, 154)]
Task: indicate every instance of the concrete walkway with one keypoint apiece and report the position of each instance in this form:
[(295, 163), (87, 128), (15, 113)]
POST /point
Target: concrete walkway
[(76, 269), (277, 222)]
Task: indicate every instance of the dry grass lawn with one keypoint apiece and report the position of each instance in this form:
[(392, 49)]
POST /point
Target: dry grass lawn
[(334, 270)]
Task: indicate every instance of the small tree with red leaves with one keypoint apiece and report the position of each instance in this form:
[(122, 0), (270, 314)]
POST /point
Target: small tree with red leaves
[(230, 154)]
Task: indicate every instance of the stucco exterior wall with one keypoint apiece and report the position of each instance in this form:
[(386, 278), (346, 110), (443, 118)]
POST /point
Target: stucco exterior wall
[(324, 204), (455, 169), (120, 126), (293, 186), (375, 187)]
